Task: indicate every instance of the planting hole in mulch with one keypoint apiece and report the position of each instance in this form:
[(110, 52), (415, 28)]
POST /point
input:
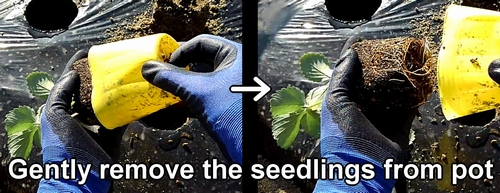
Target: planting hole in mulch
[(398, 73), (357, 9), (50, 15)]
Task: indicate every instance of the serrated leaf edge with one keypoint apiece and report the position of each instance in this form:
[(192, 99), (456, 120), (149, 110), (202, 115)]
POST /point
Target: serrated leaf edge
[(14, 109), (285, 88), (9, 136), (34, 74), (313, 67), (308, 104), (273, 96), (29, 145), (299, 118)]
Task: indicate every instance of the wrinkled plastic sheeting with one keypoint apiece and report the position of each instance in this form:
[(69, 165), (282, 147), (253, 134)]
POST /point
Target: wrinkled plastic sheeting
[(309, 30), (21, 54)]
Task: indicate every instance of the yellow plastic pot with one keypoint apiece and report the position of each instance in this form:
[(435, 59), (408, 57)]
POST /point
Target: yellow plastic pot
[(470, 43), (120, 95)]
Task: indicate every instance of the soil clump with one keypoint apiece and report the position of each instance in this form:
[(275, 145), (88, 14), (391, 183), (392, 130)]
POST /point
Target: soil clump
[(182, 19), (398, 73), (83, 100)]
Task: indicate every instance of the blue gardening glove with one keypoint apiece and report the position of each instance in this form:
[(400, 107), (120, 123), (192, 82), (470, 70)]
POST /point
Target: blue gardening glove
[(64, 139), (351, 136), (207, 94)]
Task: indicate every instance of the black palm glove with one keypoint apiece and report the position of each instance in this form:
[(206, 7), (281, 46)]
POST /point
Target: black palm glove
[(64, 139), (351, 136), (494, 70), (379, 135)]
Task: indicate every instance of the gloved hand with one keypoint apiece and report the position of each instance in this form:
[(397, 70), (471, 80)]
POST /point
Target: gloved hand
[(494, 70), (63, 138), (207, 94), (351, 136)]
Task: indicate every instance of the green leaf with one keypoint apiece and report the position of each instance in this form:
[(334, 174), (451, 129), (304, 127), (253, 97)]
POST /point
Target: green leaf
[(22, 130), (287, 100), (20, 144), (19, 119), (286, 127), (39, 84), (311, 123), (315, 97), (315, 67)]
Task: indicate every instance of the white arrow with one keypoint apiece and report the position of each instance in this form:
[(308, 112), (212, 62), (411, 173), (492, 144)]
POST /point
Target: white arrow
[(263, 88)]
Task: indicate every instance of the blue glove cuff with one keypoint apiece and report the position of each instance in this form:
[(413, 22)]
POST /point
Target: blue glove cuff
[(93, 185), (229, 130), (336, 150), (55, 155)]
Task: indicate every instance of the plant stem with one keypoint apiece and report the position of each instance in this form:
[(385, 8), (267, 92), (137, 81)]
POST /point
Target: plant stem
[(93, 128)]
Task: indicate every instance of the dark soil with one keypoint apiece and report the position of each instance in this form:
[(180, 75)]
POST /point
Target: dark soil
[(269, 152), (398, 73), (485, 4), (83, 103), (181, 19), (169, 21), (279, 185)]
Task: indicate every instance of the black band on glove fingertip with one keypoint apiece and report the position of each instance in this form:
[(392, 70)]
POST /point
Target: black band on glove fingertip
[(494, 70)]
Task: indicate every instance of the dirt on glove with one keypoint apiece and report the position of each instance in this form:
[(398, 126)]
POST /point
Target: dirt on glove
[(398, 73)]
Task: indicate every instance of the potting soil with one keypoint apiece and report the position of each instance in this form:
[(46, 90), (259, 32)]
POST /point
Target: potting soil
[(25, 50), (312, 29), (83, 101)]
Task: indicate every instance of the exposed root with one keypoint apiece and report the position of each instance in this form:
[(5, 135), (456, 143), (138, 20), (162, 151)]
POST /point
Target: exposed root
[(397, 72)]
